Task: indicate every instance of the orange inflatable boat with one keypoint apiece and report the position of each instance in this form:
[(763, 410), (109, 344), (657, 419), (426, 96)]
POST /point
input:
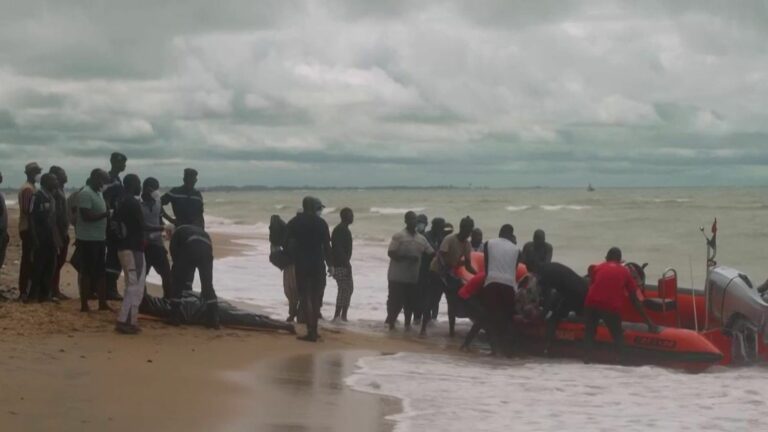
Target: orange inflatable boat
[(671, 347)]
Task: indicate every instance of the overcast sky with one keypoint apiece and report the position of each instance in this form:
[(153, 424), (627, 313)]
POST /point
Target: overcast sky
[(498, 93)]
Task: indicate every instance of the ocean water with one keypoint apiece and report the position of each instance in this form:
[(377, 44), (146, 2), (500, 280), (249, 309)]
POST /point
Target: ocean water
[(448, 393), (657, 226)]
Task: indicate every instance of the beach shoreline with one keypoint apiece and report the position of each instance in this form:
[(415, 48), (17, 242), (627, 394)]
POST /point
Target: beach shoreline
[(66, 370)]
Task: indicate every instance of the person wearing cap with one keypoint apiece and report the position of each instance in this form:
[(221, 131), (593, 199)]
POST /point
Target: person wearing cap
[(611, 284), (90, 232), (46, 240), (341, 248), (309, 243), (4, 237), (186, 202), (113, 193), (454, 251), (26, 194), (62, 221), (538, 252)]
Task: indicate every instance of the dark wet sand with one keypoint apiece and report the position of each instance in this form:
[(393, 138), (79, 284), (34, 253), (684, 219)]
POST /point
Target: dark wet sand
[(311, 387)]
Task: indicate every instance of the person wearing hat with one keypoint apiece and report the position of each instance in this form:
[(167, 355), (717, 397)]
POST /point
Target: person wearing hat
[(309, 243), (113, 193), (186, 202), (26, 194), (611, 284)]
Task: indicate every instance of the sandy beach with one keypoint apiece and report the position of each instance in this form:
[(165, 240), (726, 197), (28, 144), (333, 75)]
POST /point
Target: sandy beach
[(65, 370)]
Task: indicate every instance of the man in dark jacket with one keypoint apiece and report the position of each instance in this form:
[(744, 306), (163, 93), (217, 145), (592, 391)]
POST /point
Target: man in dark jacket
[(341, 247), (309, 243)]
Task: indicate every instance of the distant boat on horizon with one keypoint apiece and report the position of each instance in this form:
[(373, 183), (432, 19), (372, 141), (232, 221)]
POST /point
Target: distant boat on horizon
[(590, 188)]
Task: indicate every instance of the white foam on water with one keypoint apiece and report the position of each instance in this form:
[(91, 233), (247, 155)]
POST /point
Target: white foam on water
[(10, 203), (557, 207), (395, 210), (251, 278), (445, 393), (518, 208)]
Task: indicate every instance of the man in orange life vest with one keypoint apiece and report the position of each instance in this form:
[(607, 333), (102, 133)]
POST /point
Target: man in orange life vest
[(611, 281)]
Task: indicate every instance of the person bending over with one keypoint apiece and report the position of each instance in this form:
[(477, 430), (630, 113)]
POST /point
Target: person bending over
[(611, 282), (563, 291), (192, 249)]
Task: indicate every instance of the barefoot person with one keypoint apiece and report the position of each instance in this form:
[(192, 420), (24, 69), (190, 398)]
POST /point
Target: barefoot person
[(130, 252), (90, 232), (405, 253), (341, 252), (113, 193), (309, 242), (46, 240), (498, 295), (62, 221), (27, 191)]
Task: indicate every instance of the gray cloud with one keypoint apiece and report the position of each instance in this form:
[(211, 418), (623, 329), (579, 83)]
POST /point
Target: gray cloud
[(492, 92)]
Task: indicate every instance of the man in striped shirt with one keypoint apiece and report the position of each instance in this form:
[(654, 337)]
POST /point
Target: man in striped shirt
[(27, 191), (186, 202)]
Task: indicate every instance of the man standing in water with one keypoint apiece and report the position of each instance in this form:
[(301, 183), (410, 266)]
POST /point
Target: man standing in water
[(498, 295), (310, 244), (405, 253), (62, 221), (186, 202), (113, 193), (611, 282), (454, 251), (341, 246), (435, 237), (537, 252), (27, 191)]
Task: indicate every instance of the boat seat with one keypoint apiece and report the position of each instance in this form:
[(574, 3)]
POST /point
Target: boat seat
[(660, 304)]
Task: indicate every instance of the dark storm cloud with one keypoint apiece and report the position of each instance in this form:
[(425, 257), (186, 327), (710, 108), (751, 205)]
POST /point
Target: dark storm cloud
[(497, 92)]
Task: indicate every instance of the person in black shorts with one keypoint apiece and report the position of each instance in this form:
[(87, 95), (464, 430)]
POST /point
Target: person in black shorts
[(192, 249), (309, 242), (562, 291), (186, 202)]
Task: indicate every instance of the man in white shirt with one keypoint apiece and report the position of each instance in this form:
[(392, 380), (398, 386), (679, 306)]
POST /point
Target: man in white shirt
[(498, 295)]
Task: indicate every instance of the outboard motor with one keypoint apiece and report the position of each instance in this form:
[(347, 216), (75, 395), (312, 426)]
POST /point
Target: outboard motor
[(735, 304)]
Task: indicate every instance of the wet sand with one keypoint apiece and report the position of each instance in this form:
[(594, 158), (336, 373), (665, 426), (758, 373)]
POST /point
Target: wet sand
[(66, 370)]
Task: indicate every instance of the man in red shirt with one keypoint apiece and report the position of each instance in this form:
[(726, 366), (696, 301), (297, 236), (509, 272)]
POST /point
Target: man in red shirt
[(611, 283)]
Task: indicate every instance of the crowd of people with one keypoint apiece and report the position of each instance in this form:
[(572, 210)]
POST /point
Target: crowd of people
[(427, 264), (119, 226)]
